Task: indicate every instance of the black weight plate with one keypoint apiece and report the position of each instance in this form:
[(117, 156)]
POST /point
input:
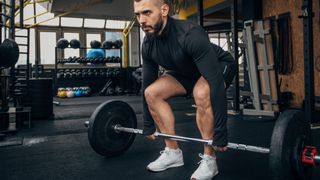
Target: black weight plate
[(290, 135), (102, 137)]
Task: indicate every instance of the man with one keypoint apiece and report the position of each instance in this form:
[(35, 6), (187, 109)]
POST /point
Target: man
[(193, 65)]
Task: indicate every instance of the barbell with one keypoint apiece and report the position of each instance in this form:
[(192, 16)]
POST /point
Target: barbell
[(113, 126)]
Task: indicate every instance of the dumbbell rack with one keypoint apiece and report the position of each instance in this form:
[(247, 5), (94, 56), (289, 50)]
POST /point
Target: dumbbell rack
[(81, 65)]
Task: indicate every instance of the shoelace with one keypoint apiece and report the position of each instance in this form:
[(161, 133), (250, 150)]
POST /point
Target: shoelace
[(163, 152), (202, 159)]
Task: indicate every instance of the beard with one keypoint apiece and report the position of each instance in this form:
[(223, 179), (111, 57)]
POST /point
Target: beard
[(157, 28)]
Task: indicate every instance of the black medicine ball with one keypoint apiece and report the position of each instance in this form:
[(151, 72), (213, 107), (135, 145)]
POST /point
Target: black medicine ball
[(62, 43), (95, 44), (9, 53), (107, 44), (75, 43)]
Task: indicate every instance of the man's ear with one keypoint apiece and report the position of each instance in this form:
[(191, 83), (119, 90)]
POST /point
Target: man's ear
[(165, 10)]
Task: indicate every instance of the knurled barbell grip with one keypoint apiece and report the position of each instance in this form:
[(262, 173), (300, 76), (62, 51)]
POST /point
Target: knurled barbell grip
[(245, 147)]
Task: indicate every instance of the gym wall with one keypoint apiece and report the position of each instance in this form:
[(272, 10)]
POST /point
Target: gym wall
[(294, 82)]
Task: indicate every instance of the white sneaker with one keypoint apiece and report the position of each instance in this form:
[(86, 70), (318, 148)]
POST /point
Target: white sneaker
[(207, 169), (169, 158)]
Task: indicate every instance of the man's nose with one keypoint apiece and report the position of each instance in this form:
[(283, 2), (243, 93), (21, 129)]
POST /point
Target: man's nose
[(142, 20)]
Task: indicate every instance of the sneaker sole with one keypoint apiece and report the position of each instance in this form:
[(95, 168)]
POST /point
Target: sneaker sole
[(171, 166), (207, 178)]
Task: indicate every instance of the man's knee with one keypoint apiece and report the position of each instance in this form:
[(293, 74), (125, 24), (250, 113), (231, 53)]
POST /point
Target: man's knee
[(152, 95), (202, 97)]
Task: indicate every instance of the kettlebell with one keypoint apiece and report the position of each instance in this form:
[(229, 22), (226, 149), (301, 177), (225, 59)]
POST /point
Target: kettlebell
[(77, 92), (59, 92), (63, 93), (70, 93)]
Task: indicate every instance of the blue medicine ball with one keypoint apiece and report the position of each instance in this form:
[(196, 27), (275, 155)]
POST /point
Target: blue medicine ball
[(96, 53)]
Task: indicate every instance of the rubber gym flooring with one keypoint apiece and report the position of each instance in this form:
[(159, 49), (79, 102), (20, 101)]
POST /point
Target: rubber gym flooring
[(59, 149)]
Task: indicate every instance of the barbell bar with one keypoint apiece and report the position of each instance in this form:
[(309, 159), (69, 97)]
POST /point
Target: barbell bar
[(113, 126), (118, 129)]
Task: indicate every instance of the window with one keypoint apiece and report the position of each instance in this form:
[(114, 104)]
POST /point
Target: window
[(22, 48), (28, 13), (47, 47), (111, 24), (42, 19), (94, 23), (71, 22), (69, 52)]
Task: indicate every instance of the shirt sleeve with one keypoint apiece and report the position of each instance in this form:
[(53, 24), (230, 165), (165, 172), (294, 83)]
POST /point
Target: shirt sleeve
[(198, 46), (149, 75)]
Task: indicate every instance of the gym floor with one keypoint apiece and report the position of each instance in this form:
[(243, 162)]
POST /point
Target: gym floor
[(59, 149)]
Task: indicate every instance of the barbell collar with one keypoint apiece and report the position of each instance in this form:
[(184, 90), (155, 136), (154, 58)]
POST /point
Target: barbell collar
[(118, 128)]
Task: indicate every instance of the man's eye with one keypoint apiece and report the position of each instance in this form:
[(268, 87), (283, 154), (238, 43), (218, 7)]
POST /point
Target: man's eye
[(147, 13)]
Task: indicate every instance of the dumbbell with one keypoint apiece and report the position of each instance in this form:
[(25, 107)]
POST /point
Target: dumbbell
[(102, 61), (99, 60), (116, 72), (69, 60), (109, 72), (90, 74), (73, 73), (60, 74), (117, 59), (111, 59), (76, 59), (106, 72), (110, 91), (67, 73), (81, 60), (102, 73), (94, 60), (88, 60), (118, 90), (95, 73), (107, 59), (78, 73), (84, 73)]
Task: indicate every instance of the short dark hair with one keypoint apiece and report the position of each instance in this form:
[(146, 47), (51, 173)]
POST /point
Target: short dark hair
[(158, 1)]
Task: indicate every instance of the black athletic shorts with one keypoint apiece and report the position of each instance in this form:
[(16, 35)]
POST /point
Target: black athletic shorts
[(189, 83)]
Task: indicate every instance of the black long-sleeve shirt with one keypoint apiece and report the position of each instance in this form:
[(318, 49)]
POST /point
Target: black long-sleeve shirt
[(184, 47)]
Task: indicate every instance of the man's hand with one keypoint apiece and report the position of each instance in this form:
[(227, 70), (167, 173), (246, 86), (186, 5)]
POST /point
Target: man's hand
[(216, 148), (151, 137)]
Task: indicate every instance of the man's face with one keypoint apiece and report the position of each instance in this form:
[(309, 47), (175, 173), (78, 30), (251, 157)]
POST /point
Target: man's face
[(149, 16)]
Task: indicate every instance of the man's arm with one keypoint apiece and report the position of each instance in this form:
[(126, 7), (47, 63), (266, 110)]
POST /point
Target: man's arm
[(149, 75), (198, 46)]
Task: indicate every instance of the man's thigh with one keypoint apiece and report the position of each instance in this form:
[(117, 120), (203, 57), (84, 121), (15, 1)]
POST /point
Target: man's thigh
[(186, 82), (166, 86)]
